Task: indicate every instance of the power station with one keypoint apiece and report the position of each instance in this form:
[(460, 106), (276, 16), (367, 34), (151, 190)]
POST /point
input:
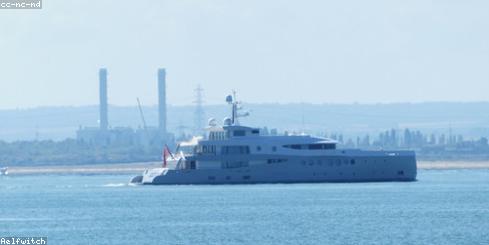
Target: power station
[(104, 134), (162, 101), (104, 114)]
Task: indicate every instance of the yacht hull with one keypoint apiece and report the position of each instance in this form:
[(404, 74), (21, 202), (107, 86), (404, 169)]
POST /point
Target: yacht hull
[(299, 170)]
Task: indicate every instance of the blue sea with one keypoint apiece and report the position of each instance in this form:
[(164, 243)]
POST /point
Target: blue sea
[(442, 207)]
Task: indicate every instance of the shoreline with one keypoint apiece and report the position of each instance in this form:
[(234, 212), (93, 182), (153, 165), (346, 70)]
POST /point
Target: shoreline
[(139, 167), (117, 168), (453, 164)]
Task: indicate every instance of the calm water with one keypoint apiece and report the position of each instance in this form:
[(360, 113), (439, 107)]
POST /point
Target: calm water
[(443, 207)]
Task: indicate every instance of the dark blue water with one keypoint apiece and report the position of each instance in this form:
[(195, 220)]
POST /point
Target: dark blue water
[(443, 207)]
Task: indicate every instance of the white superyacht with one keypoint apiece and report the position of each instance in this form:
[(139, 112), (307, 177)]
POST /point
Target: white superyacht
[(236, 154)]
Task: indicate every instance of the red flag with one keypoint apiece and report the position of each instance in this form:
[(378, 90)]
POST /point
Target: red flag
[(166, 153)]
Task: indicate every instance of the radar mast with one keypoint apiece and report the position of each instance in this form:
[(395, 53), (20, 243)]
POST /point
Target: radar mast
[(235, 107)]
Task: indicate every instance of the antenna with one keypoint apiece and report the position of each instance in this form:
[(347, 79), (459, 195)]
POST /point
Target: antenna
[(236, 106), (199, 110)]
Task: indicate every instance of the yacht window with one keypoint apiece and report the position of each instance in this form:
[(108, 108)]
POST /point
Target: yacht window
[(276, 160), (238, 133), (234, 164), (216, 135), (258, 148), (315, 147), (326, 146), (255, 131), (235, 150), (206, 149), (292, 146)]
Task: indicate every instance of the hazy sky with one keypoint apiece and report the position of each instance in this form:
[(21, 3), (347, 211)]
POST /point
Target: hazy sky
[(269, 51)]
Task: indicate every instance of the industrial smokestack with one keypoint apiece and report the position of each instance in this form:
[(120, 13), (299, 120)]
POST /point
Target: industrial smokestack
[(104, 121), (162, 101)]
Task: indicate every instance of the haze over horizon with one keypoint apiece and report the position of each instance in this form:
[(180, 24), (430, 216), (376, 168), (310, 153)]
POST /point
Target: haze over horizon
[(270, 52)]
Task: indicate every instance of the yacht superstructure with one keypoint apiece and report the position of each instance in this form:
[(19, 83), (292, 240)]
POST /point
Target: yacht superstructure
[(234, 154)]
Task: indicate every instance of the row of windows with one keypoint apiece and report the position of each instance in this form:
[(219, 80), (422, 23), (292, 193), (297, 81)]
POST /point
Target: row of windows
[(234, 164), (328, 146), (331, 162), (276, 160), (248, 177), (206, 149), (400, 172), (237, 133), (274, 148), (217, 135), (338, 161), (245, 177), (228, 150), (235, 150)]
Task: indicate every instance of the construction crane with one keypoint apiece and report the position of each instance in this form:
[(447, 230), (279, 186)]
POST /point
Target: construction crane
[(143, 120)]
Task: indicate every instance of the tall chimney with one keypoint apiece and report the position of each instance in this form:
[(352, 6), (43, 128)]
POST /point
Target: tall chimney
[(104, 121), (162, 101)]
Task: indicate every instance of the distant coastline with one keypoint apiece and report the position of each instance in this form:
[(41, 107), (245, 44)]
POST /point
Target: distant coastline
[(132, 168), (456, 164), (122, 168)]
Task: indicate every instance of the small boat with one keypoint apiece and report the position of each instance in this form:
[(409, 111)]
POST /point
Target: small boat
[(4, 171)]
